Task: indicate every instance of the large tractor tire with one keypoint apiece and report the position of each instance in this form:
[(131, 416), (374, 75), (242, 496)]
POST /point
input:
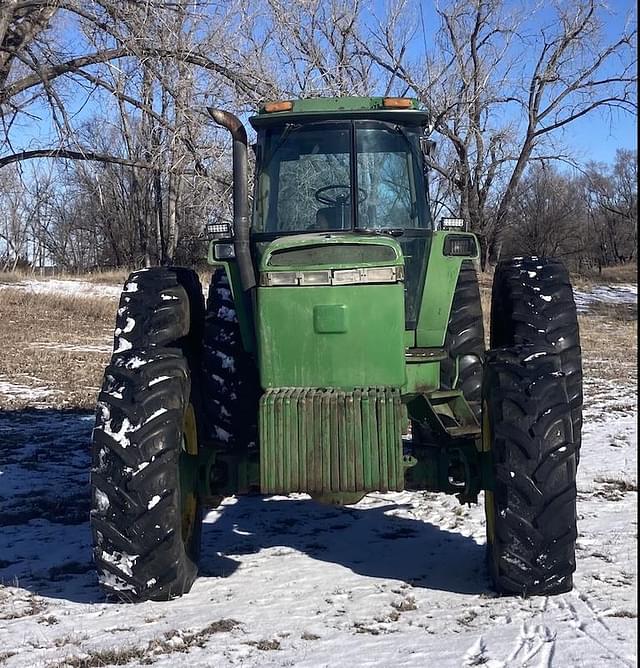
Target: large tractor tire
[(146, 515), (464, 340), (531, 511), (229, 374), (532, 303)]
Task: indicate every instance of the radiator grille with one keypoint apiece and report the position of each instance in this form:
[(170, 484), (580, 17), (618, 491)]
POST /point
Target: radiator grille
[(326, 440)]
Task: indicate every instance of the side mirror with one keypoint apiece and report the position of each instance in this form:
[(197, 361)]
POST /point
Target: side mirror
[(427, 146)]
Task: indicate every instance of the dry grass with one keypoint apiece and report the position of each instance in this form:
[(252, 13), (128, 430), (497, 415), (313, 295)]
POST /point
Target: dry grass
[(101, 277), (171, 642), (609, 347), (55, 341), (105, 277), (624, 273)]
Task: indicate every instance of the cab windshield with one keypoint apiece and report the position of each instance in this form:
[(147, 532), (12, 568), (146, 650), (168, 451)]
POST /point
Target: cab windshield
[(361, 175)]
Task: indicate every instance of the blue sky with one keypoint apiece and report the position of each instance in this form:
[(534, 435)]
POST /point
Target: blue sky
[(598, 135)]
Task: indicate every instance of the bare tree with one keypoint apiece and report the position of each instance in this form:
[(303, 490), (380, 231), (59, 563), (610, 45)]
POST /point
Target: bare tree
[(548, 216), (612, 196), (501, 84)]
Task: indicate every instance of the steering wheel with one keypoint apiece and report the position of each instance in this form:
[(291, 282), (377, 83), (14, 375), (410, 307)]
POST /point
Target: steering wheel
[(340, 199)]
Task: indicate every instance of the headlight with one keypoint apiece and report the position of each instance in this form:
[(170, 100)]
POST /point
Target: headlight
[(281, 278), (460, 245), (335, 277), (315, 277), (346, 276), (382, 275), (224, 251)]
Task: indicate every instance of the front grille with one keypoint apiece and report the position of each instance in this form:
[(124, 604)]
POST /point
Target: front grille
[(332, 254), (326, 440)]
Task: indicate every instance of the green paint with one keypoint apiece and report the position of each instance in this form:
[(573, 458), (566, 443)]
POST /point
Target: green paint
[(343, 107), (330, 319), (338, 385), (329, 104), (437, 297), (361, 347), (329, 442), (421, 378), (331, 336), (301, 241)]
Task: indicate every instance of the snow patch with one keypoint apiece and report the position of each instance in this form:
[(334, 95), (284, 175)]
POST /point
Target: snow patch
[(121, 560), (624, 293), (227, 314), (72, 287), (222, 434), (534, 356), (135, 363), (114, 583), (159, 379), (121, 435), (226, 361), (123, 345), (128, 327), (24, 392), (102, 500)]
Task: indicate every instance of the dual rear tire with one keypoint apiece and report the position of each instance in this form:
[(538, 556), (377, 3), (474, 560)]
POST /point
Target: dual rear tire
[(532, 417), (145, 515), (171, 388)]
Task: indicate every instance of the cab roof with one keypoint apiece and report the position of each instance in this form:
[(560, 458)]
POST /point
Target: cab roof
[(404, 110)]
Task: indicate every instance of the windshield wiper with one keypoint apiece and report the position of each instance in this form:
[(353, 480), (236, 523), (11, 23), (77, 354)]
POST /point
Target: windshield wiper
[(391, 231)]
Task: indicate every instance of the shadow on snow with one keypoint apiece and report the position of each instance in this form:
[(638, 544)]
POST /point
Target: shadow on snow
[(45, 540)]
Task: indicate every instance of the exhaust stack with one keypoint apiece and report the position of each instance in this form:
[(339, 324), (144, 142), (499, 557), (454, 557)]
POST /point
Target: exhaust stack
[(240, 194)]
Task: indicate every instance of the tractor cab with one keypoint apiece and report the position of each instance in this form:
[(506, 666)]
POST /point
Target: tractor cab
[(344, 166), (323, 167)]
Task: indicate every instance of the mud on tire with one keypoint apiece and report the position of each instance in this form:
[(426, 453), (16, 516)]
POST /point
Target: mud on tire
[(531, 512)]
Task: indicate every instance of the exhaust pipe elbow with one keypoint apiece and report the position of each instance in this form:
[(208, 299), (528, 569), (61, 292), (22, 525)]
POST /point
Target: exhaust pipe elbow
[(238, 133)]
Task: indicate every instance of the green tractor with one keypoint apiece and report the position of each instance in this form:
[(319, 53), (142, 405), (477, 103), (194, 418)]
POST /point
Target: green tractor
[(340, 351)]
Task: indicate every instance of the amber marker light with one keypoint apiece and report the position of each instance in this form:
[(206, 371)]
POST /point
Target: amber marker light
[(396, 102), (282, 105)]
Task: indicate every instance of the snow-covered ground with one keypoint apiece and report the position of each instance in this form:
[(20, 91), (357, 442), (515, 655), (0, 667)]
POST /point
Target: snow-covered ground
[(75, 288), (621, 293), (396, 580), (30, 389)]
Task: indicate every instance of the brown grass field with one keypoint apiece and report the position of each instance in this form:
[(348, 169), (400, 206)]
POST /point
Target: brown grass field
[(59, 344)]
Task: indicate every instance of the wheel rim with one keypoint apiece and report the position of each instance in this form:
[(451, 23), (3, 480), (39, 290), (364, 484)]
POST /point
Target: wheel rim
[(188, 475)]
